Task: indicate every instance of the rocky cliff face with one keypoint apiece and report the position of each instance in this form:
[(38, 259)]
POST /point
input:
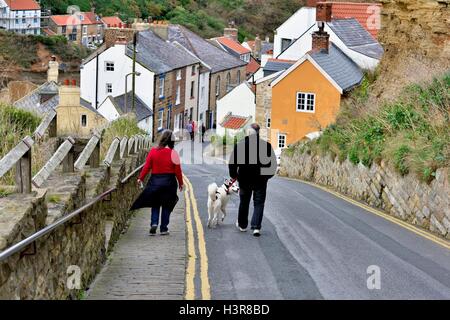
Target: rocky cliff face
[(416, 38)]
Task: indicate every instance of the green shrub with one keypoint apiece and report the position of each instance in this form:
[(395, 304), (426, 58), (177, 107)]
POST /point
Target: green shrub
[(400, 159)]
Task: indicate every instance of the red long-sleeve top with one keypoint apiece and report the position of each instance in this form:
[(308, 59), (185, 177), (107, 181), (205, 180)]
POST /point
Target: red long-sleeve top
[(162, 160)]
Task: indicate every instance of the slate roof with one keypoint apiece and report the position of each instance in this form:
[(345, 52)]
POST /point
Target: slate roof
[(158, 55), (355, 37), (213, 56), (275, 65), (31, 102), (142, 110), (339, 67)]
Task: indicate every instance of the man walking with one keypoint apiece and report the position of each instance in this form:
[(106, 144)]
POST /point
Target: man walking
[(252, 163), (189, 129)]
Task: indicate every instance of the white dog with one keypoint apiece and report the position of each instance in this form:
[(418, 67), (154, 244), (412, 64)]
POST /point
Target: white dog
[(218, 198)]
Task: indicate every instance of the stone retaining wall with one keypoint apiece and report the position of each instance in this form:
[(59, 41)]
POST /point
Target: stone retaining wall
[(81, 242), (407, 198)]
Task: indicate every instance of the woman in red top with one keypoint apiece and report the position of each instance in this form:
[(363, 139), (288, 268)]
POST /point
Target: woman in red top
[(161, 191)]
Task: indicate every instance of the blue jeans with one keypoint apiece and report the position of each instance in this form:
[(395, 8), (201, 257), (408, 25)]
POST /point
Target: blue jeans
[(165, 216)]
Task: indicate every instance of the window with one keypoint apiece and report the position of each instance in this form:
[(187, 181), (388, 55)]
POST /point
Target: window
[(23, 20), (161, 87), (239, 76), (193, 71), (35, 20), (160, 119), (74, 29), (17, 21), (192, 89), (228, 81), (285, 43), (64, 29), (109, 66), (73, 37), (281, 141), (84, 29), (203, 92), (177, 99), (268, 122), (305, 102), (218, 86), (109, 88), (178, 74), (84, 120)]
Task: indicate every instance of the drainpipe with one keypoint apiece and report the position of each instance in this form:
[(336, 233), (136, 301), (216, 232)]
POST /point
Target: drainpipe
[(96, 82)]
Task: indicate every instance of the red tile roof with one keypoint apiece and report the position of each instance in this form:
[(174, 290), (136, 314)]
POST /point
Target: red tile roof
[(252, 66), (234, 122), (112, 21), (282, 60), (359, 11), (233, 45), (23, 4), (66, 19)]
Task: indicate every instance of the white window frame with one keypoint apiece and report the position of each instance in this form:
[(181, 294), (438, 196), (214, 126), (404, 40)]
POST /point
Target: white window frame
[(305, 104), (192, 93), (85, 29), (109, 66), (179, 74), (160, 119), (217, 86), (81, 120), (161, 87), (268, 120), (178, 97), (278, 140), (109, 88)]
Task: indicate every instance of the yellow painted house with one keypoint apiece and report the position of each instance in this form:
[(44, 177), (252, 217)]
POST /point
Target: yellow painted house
[(76, 117), (307, 96)]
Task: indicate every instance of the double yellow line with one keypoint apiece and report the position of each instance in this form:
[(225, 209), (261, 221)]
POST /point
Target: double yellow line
[(192, 256)]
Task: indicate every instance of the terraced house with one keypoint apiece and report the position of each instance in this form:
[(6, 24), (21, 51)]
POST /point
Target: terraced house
[(166, 81), (220, 71), (20, 16)]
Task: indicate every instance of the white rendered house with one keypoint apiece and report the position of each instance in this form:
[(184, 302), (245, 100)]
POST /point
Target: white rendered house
[(20, 16), (236, 110)]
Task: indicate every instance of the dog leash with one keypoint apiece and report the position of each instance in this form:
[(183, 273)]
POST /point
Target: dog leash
[(231, 183)]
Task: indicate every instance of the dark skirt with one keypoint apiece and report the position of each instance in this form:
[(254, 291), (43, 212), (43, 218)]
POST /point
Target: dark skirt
[(161, 191)]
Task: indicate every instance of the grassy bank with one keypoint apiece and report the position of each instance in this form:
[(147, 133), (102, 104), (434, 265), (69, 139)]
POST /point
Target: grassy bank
[(412, 132), (125, 126), (15, 124)]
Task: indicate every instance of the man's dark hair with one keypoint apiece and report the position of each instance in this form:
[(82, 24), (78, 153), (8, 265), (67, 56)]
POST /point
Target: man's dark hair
[(255, 127), (166, 140)]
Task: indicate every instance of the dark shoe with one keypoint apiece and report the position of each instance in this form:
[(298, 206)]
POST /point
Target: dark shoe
[(153, 230), (256, 233)]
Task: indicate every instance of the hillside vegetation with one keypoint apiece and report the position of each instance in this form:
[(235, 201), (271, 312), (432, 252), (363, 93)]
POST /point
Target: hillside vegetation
[(411, 132), (207, 17)]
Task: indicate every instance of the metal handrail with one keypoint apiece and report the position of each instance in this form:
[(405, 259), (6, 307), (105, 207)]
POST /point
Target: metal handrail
[(35, 236)]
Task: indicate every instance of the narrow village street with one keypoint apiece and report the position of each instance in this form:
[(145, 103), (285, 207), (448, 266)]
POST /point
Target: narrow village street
[(314, 245)]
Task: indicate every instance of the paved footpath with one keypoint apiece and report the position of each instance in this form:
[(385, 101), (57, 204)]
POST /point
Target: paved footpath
[(142, 267)]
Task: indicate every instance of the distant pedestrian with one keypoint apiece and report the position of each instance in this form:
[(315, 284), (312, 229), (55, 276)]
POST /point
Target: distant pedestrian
[(203, 132), (189, 129), (160, 194), (252, 163)]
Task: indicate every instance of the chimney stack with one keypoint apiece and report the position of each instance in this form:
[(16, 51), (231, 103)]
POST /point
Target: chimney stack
[(161, 29), (320, 41), (257, 50), (53, 70), (231, 32), (311, 3), (69, 94), (323, 11)]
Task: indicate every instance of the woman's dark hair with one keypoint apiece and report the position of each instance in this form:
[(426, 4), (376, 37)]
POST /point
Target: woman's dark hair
[(166, 140)]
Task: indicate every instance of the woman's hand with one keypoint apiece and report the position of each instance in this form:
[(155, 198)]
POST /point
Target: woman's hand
[(181, 188), (140, 183)]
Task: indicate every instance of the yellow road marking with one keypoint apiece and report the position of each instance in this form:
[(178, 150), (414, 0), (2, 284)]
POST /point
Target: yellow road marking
[(205, 287), (190, 269), (381, 214)]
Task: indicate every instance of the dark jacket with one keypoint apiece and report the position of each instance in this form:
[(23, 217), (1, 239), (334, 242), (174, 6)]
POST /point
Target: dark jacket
[(252, 161), (161, 190)]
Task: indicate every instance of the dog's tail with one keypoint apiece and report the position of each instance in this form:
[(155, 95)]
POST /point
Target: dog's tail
[(212, 189)]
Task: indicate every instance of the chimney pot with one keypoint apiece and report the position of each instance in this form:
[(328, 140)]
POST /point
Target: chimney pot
[(74, 82), (66, 82)]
